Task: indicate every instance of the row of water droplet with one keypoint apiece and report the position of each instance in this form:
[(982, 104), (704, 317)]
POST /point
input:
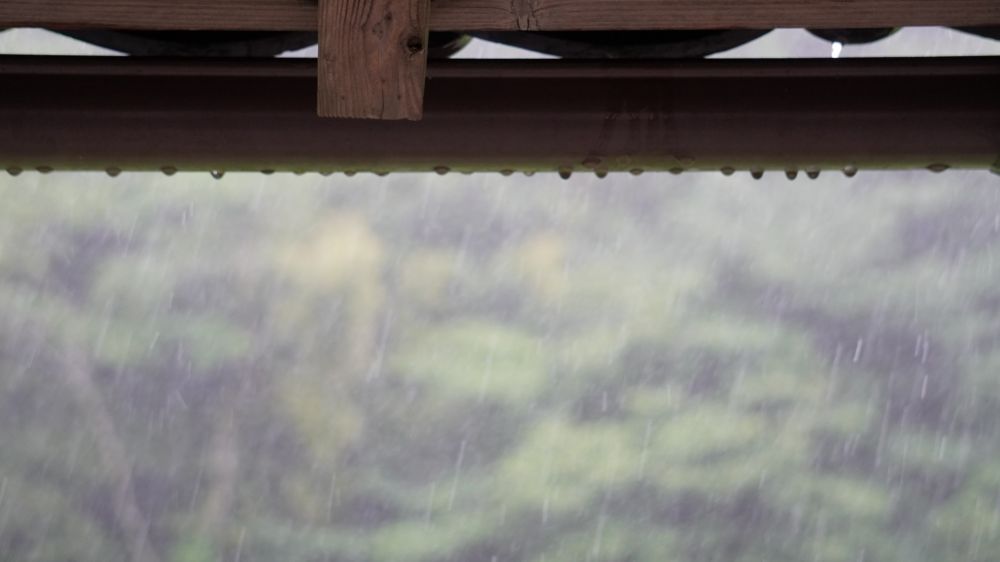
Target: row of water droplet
[(565, 173)]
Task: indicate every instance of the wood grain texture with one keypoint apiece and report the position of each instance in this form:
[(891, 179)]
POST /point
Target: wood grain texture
[(498, 15), (372, 58)]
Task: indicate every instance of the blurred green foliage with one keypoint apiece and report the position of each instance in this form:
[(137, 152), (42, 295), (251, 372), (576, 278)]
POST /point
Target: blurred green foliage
[(426, 370)]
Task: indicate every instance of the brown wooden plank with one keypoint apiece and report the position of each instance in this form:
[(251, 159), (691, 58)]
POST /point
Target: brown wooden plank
[(82, 113), (509, 14), (372, 58)]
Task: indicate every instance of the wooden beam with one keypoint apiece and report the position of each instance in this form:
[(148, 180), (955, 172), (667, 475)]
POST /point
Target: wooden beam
[(508, 15), (372, 58), (137, 113)]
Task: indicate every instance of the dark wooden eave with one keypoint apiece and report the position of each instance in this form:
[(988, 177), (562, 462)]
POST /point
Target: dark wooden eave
[(509, 15), (373, 53), (799, 116)]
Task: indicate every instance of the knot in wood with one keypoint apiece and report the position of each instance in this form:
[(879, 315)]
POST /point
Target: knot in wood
[(524, 14)]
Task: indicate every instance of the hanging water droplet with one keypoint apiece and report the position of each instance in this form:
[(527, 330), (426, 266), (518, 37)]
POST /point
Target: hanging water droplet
[(938, 168), (218, 174), (757, 173), (636, 171), (565, 173), (326, 173), (113, 172), (381, 174), (350, 173), (44, 169), (299, 172), (267, 172), (676, 171), (850, 171), (601, 174), (791, 174), (14, 171), (168, 170), (529, 173), (813, 173), (442, 170), (506, 173), (728, 171)]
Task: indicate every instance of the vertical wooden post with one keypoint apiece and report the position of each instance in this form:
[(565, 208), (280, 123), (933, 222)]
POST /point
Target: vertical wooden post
[(373, 58)]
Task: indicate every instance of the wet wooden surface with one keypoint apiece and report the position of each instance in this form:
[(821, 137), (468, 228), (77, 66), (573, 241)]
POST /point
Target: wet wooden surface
[(509, 14)]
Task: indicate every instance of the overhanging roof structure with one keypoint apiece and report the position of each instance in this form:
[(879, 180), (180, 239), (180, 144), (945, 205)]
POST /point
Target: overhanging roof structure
[(561, 115)]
